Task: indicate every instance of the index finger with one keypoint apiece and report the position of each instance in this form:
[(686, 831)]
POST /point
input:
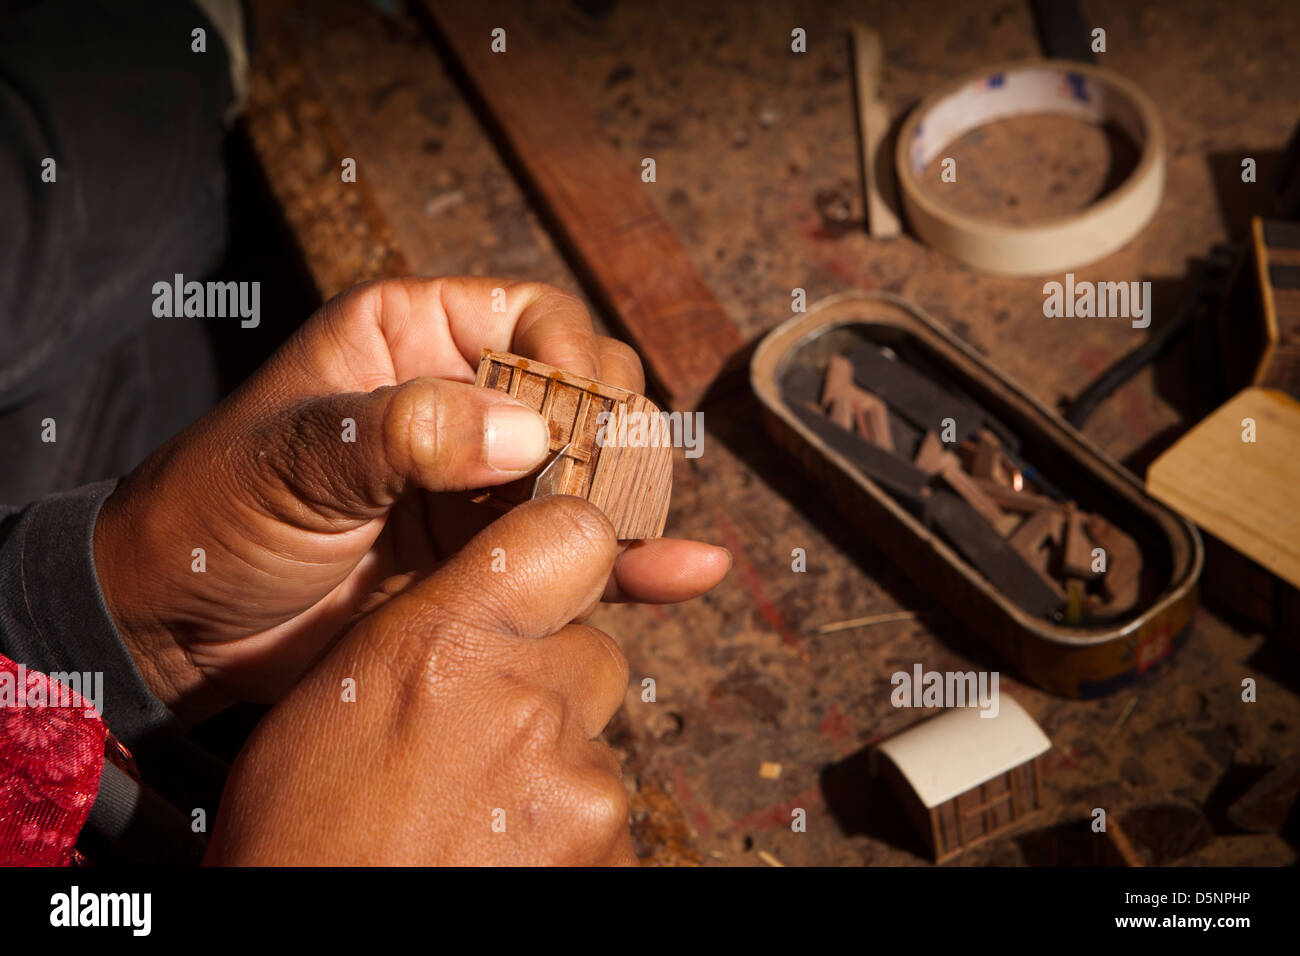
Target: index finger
[(393, 330), (529, 318)]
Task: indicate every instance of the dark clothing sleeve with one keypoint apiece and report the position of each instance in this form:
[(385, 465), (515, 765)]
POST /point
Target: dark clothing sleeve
[(53, 619), (52, 613), (133, 120)]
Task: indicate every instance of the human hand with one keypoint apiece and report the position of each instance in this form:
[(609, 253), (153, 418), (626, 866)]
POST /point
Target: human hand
[(298, 525), (470, 736)]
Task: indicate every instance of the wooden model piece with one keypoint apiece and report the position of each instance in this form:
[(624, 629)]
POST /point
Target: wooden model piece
[(610, 446), (1023, 536), (964, 777)]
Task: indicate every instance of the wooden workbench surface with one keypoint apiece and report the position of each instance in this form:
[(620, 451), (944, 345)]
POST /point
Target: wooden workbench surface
[(757, 173)]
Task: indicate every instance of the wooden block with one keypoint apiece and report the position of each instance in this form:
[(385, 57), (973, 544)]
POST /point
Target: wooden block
[(1076, 556), (850, 406), (991, 461), (911, 394), (929, 457), (991, 555), (1008, 523), (985, 462), (876, 417), (841, 412), (839, 380), (1042, 526), (630, 480), (1037, 540), (965, 486), (932, 457), (1243, 493), (629, 258), (1024, 502), (1123, 578)]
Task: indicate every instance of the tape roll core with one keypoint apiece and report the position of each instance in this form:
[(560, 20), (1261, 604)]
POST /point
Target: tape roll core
[(1086, 92)]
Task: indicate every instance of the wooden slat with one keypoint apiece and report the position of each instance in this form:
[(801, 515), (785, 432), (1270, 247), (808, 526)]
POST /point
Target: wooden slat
[(873, 121), (1244, 493), (632, 261)]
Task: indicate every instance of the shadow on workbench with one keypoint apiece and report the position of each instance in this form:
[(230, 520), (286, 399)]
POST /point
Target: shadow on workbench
[(864, 805)]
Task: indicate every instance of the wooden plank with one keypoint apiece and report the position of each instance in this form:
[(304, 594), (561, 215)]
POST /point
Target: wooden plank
[(839, 380), (1244, 493), (632, 262)]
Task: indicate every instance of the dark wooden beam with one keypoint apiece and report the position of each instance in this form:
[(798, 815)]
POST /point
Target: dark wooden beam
[(629, 259)]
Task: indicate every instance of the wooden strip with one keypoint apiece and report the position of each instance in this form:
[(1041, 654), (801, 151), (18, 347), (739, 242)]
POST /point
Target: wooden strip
[(965, 486), (1038, 527), (842, 412), (839, 379), (632, 263), (873, 122), (548, 398), (877, 419), (932, 457), (1025, 502), (990, 554)]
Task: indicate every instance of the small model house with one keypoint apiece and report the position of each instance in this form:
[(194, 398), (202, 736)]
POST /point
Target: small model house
[(626, 472), (964, 777)]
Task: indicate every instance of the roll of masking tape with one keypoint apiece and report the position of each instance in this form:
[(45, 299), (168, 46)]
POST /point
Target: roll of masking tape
[(1080, 90)]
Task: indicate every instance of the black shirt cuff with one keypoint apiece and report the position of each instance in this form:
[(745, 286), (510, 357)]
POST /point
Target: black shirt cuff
[(52, 612)]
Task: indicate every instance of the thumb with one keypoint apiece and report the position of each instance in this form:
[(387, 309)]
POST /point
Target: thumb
[(528, 574), (354, 454)]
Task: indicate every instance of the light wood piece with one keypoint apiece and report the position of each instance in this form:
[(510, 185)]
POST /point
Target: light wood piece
[(1243, 493), (873, 124), (627, 472)]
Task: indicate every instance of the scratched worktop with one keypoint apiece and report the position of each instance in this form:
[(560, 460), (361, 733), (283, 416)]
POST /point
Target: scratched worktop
[(757, 163)]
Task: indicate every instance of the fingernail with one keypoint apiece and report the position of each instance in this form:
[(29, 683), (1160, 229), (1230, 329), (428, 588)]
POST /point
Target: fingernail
[(515, 438)]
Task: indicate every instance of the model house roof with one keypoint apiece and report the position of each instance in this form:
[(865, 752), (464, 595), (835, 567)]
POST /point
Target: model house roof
[(959, 749)]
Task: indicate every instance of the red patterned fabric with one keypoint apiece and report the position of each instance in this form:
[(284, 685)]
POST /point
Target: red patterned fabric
[(51, 756)]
